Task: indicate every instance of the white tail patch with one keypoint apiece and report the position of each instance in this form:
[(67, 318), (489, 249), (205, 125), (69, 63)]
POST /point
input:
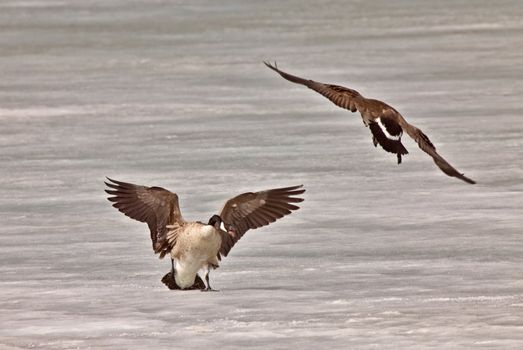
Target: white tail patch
[(384, 129)]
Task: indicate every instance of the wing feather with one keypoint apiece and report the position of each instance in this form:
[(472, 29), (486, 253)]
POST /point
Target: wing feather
[(426, 145), (155, 206), (252, 210), (341, 96)]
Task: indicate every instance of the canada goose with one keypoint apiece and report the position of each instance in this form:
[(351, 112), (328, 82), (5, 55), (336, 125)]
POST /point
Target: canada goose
[(196, 246), (385, 123)]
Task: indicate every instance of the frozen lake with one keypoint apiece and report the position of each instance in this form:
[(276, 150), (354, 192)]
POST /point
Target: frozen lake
[(175, 94)]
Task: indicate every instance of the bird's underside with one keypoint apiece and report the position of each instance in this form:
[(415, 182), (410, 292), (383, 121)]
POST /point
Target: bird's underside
[(170, 282), (385, 123)]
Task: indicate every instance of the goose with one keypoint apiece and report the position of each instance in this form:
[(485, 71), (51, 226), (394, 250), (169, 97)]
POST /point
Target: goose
[(195, 246), (385, 123)]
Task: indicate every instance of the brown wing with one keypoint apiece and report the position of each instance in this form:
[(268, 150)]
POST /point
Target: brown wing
[(424, 143), (256, 209), (371, 110), (341, 96), (156, 206)]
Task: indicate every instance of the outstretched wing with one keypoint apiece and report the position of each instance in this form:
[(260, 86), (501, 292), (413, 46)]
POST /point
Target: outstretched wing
[(156, 206), (256, 209), (341, 96), (424, 143), (382, 119), (377, 115)]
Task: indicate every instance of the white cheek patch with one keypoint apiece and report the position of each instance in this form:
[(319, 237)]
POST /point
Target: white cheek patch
[(222, 227), (384, 129)]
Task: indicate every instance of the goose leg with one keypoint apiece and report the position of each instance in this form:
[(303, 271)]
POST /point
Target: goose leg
[(172, 268), (208, 288)]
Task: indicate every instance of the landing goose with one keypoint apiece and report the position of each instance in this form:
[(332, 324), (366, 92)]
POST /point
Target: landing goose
[(195, 246), (385, 123)]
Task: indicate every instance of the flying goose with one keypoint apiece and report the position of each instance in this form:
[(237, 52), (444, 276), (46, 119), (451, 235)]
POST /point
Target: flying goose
[(195, 246), (385, 123)]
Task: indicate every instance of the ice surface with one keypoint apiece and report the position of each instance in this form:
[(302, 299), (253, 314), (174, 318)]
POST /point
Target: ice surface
[(175, 94)]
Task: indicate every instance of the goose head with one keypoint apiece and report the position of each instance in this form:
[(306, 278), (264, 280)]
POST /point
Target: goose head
[(216, 222)]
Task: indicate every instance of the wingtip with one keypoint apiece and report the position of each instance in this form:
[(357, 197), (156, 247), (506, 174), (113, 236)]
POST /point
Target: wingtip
[(111, 183), (110, 180), (117, 183), (112, 198), (296, 192), (273, 67), (298, 189), (467, 180)]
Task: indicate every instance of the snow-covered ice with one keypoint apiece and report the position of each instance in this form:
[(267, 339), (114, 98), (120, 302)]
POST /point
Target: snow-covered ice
[(175, 94)]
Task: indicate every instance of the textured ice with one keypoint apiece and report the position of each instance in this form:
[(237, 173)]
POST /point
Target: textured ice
[(175, 94)]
